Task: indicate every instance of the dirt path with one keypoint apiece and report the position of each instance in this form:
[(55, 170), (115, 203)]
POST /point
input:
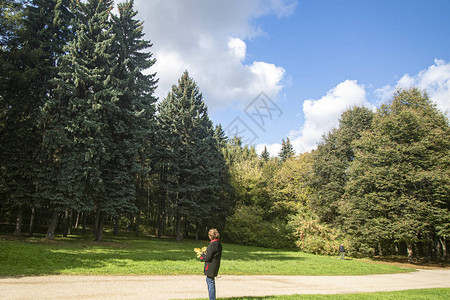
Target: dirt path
[(185, 287)]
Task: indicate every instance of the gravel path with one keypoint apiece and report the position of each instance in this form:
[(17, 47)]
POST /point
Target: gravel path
[(185, 287)]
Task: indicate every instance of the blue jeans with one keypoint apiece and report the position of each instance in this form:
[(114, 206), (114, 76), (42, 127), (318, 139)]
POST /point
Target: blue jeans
[(211, 287)]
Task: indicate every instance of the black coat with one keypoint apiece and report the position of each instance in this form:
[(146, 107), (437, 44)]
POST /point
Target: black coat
[(212, 258)]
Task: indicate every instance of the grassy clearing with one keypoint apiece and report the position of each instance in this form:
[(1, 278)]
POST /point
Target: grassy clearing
[(130, 255), (424, 294)]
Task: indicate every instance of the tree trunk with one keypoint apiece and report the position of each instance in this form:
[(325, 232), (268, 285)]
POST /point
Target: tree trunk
[(84, 222), (66, 223), (137, 222), (196, 232), (32, 220), (52, 227), (444, 247), (97, 218), (116, 225), (417, 252), (186, 228), (409, 248), (161, 218), (77, 220), (178, 236), (431, 249), (437, 249), (18, 228), (69, 231), (99, 225), (380, 249)]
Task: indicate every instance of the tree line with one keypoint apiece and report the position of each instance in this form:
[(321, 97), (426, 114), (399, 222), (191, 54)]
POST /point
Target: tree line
[(82, 137), (379, 183), (84, 143)]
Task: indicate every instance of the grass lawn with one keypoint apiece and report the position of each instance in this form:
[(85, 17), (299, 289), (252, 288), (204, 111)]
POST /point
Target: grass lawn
[(130, 255), (424, 294)]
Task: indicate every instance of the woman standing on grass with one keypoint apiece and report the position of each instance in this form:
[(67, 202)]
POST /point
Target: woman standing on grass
[(212, 261)]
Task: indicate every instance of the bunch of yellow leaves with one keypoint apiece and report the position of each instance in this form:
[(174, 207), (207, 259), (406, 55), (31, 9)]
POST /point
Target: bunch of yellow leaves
[(200, 251)]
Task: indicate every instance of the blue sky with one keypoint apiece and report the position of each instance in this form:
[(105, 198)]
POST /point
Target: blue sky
[(271, 69)]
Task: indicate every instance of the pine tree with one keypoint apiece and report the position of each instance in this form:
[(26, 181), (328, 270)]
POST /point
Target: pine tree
[(49, 23), (287, 151), (16, 112), (79, 118), (132, 127), (265, 155), (191, 162), (33, 41)]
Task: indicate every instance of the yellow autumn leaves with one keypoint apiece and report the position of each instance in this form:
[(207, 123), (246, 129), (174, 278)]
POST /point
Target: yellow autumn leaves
[(200, 251)]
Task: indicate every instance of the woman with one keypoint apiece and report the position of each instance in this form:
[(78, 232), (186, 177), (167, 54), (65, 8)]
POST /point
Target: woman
[(212, 261)]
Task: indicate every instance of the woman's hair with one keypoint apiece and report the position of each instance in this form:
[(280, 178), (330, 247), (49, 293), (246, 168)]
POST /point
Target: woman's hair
[(213, 234)]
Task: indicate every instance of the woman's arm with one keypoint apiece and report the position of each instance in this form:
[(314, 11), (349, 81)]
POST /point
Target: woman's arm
[(210, 252)]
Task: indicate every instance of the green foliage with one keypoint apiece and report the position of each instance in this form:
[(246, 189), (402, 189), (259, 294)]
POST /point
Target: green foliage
[(316, 237), (287, 151), (265, 155), (331, 161), (398, 189), (247, 227), (289, 186), (190, 159), (79, 120), (79, 131)]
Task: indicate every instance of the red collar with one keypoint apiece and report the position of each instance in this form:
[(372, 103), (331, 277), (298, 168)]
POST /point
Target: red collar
[(216, 240)]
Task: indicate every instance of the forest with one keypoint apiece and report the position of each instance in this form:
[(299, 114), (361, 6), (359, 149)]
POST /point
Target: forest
[(86, 145)]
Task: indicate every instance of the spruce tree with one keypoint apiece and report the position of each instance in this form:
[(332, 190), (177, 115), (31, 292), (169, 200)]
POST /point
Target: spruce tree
[(265, 155), (132, 127), (80, 116), (33, 41), (192, 163), (17, 112), (287, 151), (49, 32)]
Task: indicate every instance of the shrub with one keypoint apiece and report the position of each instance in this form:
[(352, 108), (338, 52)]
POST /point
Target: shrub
[(315, 237), (248, 227)]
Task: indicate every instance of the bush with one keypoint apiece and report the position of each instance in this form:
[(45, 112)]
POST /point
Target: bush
[(314, 237), (247, 227)]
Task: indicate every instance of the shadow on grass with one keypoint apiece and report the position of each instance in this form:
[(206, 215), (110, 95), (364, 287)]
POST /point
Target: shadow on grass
[(39, 256)]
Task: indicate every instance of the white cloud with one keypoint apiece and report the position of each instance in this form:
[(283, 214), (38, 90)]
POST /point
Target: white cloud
[(208, 39), (323, 114), (238, 48), (435, 80), (274, 149)]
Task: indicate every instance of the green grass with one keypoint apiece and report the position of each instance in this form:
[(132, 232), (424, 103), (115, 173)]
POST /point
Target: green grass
[(129, 255), (424, 294)]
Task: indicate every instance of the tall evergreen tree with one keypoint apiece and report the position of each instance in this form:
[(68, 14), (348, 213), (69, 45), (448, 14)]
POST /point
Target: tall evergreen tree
[(29, 57), (79, 118), (17, 111), (287, 151), (265, 155), (49, 32), (132, 127), (191, 163)]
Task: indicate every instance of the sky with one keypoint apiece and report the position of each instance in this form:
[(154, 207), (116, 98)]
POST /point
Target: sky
[(275, 69)]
